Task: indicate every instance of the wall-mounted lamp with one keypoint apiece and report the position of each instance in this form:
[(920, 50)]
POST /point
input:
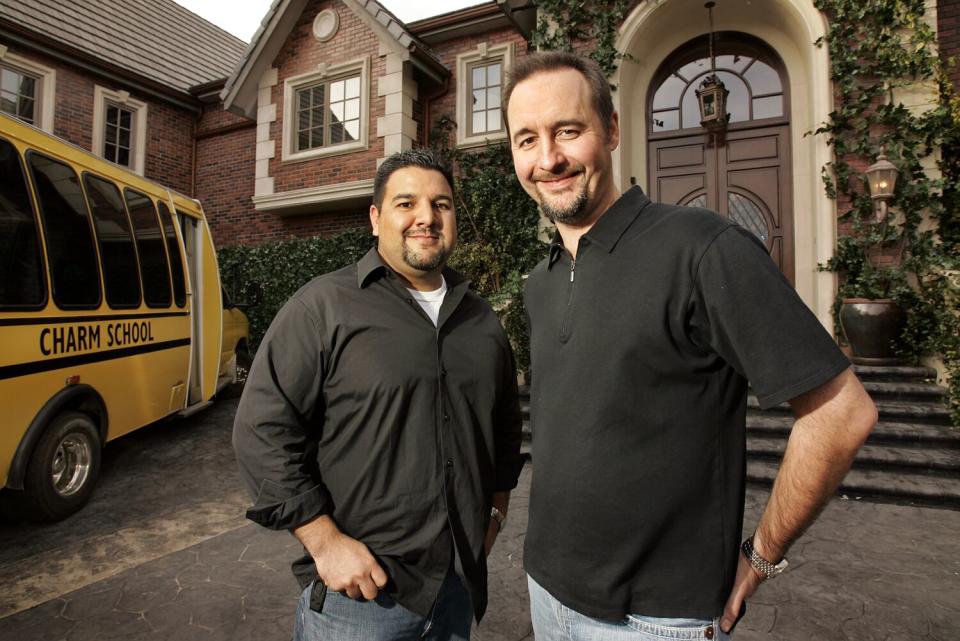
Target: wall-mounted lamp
[(882, 180)]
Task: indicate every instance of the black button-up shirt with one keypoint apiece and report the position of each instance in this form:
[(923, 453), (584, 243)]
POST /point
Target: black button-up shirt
[(357, 406)]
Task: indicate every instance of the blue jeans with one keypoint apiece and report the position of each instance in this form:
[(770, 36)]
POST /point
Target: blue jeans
[(383, 619), (553, 621)]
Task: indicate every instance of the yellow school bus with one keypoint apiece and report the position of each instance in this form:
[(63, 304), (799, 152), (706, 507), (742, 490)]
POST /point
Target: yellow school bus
[(111, 314)]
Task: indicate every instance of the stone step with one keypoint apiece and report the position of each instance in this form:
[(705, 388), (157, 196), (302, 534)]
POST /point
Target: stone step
[(898, 411), (779, 425), (912, 486), (894, 459), (908, 392), (896, 373)]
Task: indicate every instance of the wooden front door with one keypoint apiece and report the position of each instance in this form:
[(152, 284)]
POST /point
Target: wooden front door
[(747, 178)]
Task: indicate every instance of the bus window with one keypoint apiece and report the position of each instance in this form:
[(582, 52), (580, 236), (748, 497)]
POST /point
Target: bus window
[(117, 256), (21, 270), (153, 259), (176, 256), (66, 228)]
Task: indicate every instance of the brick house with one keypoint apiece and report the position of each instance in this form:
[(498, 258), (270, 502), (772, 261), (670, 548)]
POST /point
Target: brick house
[(282, 138)]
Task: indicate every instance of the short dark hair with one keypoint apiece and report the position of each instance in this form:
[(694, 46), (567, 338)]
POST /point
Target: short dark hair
[(424, 158), (544, 61)]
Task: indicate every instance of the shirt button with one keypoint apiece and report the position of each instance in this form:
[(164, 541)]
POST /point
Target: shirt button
[(449, 462), (446, 417), (708, 633)]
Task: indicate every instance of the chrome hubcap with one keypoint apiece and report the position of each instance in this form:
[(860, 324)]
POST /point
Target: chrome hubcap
[(71, 464)]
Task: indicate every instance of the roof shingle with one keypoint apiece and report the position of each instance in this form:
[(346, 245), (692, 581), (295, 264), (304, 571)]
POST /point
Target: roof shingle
[(157, 39)]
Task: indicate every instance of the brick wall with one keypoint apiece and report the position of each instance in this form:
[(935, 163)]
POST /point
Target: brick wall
[(300, 54), (948, 32)]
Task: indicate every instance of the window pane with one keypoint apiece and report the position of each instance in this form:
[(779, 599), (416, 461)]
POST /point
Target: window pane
[(336, 133), (303, 140), (113, 115), (121, 279), (150, 241), (353, 130), (21, 269), (769, 107), (316, 117), (9, 81), (748, 215), (493, 120), (733, 62), (318, 93), (738, 102), (125, 118), (336, 91), (8, 104), (303, 100), (27, 86), (493, 97), (699, 201), (70, 250), (479, 99), (123, 156), (336, 112), (666, 120), (25, 108), (303, 120), (668, 94), (693, 69), (110, 152), (493, 74), (124, 138), (763, 79), (353, 87), (479, 77), (353, 109), (479, 122), (176, 256)]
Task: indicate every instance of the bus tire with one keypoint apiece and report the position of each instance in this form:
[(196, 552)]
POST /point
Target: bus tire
[(63, 468), (244, 361)]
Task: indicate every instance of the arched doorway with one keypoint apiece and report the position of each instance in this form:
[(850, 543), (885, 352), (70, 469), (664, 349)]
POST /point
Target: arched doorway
[(748, 177)]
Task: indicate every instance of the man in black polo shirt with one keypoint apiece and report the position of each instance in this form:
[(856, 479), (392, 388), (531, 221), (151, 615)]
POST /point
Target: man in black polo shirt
[(380, 424), (646, 323)]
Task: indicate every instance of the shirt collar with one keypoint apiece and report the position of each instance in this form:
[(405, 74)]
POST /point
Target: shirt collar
[(612, 224), (371, 267)]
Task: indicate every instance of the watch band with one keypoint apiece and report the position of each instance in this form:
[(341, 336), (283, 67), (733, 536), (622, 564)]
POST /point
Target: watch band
[(499, 517), (765, 568)]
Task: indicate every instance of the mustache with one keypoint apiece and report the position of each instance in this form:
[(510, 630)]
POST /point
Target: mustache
[(549, 175), (420, 231)]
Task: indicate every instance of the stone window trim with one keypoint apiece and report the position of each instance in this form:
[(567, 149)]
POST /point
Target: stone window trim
[(483, 54), (322, 73), (102, 97), (46, 80)]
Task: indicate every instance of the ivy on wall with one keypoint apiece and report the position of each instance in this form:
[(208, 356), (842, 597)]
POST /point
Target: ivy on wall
[(879, 50)]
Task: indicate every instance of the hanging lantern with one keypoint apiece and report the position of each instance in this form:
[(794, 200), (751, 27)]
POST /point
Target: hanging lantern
[(712, 96), (882, 180)]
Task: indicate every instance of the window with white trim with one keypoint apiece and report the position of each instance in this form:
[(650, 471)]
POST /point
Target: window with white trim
[(486, 80), (26, 90), (480, 77), (119, 128), (326, 112)]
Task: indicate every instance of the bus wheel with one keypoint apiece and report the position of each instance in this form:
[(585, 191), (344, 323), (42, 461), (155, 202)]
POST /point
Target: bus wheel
[(63, 468), (244, 360)]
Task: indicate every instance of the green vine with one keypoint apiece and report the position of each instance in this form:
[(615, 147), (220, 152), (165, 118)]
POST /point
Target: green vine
[(879, 48), (566, 25)]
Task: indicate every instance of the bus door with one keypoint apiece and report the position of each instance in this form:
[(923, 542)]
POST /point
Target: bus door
[(206, 307)]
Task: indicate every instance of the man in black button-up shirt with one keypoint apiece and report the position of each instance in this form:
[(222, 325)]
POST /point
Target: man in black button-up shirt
[(380, 424)]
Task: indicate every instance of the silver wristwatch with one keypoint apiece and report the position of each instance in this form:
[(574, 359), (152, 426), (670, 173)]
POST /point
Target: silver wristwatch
[(499, 517), (765, 568)]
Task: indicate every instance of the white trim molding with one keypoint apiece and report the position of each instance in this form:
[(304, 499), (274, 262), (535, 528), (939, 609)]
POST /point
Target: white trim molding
[(47, 94), (266, 146), (323, 72), (482, 53), (313, 200), (138, 151)]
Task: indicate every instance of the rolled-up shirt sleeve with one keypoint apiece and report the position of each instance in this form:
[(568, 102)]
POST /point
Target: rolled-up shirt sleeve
[(507, 429), (279, 420)]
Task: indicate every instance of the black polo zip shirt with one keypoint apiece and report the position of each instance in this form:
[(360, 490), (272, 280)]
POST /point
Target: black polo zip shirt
[(640, 355), (357, 406)]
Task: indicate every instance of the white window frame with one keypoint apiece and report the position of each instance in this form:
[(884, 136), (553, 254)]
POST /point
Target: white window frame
[(43, 109), (484, 54), (321, 74), (138, 152)]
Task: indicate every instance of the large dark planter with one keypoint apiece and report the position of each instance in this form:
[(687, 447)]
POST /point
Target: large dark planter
[(871, 326)]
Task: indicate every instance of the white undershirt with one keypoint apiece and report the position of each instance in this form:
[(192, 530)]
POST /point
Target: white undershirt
[(431, 301)]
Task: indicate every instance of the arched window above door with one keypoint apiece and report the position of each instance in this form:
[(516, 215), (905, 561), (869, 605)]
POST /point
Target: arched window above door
[(756, 86)]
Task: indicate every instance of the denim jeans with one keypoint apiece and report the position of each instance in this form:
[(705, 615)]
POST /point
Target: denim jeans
[(383, 619), (553, 621)]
